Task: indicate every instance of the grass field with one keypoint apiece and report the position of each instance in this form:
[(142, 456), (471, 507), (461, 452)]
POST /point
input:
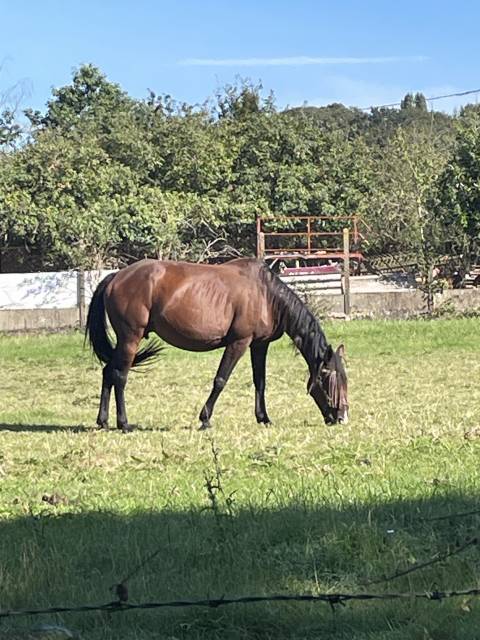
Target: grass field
[(302, 508)]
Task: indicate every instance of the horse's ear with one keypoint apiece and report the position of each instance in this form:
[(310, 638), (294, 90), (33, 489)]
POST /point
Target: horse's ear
[(341, 351)]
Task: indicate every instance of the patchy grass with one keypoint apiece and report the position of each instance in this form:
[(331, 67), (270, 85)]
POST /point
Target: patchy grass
[(302, 507)]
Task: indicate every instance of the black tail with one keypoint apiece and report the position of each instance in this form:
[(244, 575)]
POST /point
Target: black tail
[(97, 330)]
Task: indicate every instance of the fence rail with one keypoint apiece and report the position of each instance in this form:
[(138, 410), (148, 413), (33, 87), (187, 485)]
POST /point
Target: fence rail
[(306, 245)]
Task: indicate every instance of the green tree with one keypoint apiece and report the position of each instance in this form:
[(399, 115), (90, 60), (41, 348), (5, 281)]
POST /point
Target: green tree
[(105, 177), (407, 102), (404, 205), (90, 97), (460, 183), (420, 102)]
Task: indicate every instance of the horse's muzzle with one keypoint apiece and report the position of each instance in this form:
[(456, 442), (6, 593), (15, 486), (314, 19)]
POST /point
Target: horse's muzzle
[(342, 415)]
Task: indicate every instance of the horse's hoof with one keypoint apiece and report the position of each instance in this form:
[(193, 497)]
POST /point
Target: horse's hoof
[(126, 428), (204, 426), (102, 426)]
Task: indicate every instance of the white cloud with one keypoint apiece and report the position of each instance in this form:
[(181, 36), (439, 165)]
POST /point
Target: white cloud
[(294, 61)]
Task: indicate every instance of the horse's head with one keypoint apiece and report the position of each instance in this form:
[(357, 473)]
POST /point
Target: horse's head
[(328, 386)]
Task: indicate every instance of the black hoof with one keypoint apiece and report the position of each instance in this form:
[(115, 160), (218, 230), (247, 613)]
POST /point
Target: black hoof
[(204, 426), (125, 428), (102, 425)]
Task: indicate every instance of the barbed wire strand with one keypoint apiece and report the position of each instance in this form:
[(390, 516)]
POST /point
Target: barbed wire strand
[(332, 599), (450, 516), (439, 557), (329, 598)]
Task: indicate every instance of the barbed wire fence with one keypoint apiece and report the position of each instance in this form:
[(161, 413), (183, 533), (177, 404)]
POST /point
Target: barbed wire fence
[(215, 490), (329, 598), (122, 604)]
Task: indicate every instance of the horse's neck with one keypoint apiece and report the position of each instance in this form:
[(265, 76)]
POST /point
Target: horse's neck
[(293, 317), (305, 331)]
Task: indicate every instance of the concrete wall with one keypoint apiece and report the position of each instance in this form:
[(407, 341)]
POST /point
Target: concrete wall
[(403, 303), (47, 290), (34, 319), (47, 300), (390, 304), (460, 299)]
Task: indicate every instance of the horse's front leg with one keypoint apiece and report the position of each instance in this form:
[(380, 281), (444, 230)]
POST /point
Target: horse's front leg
[(258, 353), (232, 354)]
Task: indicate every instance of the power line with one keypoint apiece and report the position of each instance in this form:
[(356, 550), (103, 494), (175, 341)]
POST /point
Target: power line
[(447, 95)]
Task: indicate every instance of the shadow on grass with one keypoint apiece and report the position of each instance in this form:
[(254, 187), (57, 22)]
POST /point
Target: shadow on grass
[(45, 428), (74, 559), (80, 428)]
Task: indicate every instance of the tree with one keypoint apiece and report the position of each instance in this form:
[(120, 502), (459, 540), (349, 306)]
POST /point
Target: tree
[(10, 128), (58, 199), (335, 117), (420, 102), (104, 177), (460, 183), (404, 204), (242, 100), (407, 102), (90, 97)]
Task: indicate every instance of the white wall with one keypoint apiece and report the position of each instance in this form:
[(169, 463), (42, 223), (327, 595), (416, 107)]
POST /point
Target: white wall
[(52, 290)]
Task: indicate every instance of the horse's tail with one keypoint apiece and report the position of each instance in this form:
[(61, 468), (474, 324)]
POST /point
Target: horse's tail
[(96, 330)]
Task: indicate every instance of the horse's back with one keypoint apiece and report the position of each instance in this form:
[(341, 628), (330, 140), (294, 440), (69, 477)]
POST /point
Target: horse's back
[(193, 306)]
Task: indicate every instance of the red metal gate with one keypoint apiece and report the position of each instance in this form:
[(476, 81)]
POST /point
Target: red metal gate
[(308, 243)]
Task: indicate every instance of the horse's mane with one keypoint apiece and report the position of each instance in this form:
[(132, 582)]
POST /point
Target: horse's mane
[(294, 317)]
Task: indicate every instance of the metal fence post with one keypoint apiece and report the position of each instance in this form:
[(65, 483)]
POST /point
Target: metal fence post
[(346, 272), (81, 298)]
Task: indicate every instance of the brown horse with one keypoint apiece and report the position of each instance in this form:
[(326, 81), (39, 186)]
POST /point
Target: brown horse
[(199, 307)]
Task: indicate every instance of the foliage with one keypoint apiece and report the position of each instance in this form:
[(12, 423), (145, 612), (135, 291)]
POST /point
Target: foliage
[(10, 130), (416, 101), (460, 182), (404, 203), (105, 178)]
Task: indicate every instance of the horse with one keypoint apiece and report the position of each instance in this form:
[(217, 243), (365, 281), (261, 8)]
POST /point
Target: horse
[(237, 305)]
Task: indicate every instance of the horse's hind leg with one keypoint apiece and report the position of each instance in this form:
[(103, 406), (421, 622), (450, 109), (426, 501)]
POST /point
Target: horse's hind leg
[(231, 356), (258, 353), (107, 384), (122, 361)]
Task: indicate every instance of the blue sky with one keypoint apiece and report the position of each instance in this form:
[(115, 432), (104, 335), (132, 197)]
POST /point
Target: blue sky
[(358, 53)]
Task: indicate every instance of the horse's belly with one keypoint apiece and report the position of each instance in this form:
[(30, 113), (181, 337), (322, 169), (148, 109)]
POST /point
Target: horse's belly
[(190, 336)]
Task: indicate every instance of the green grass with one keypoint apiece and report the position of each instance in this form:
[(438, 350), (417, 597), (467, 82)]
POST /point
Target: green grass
[(303, 508)]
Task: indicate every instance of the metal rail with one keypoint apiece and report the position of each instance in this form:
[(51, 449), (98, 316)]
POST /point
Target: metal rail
[(309, 248)]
